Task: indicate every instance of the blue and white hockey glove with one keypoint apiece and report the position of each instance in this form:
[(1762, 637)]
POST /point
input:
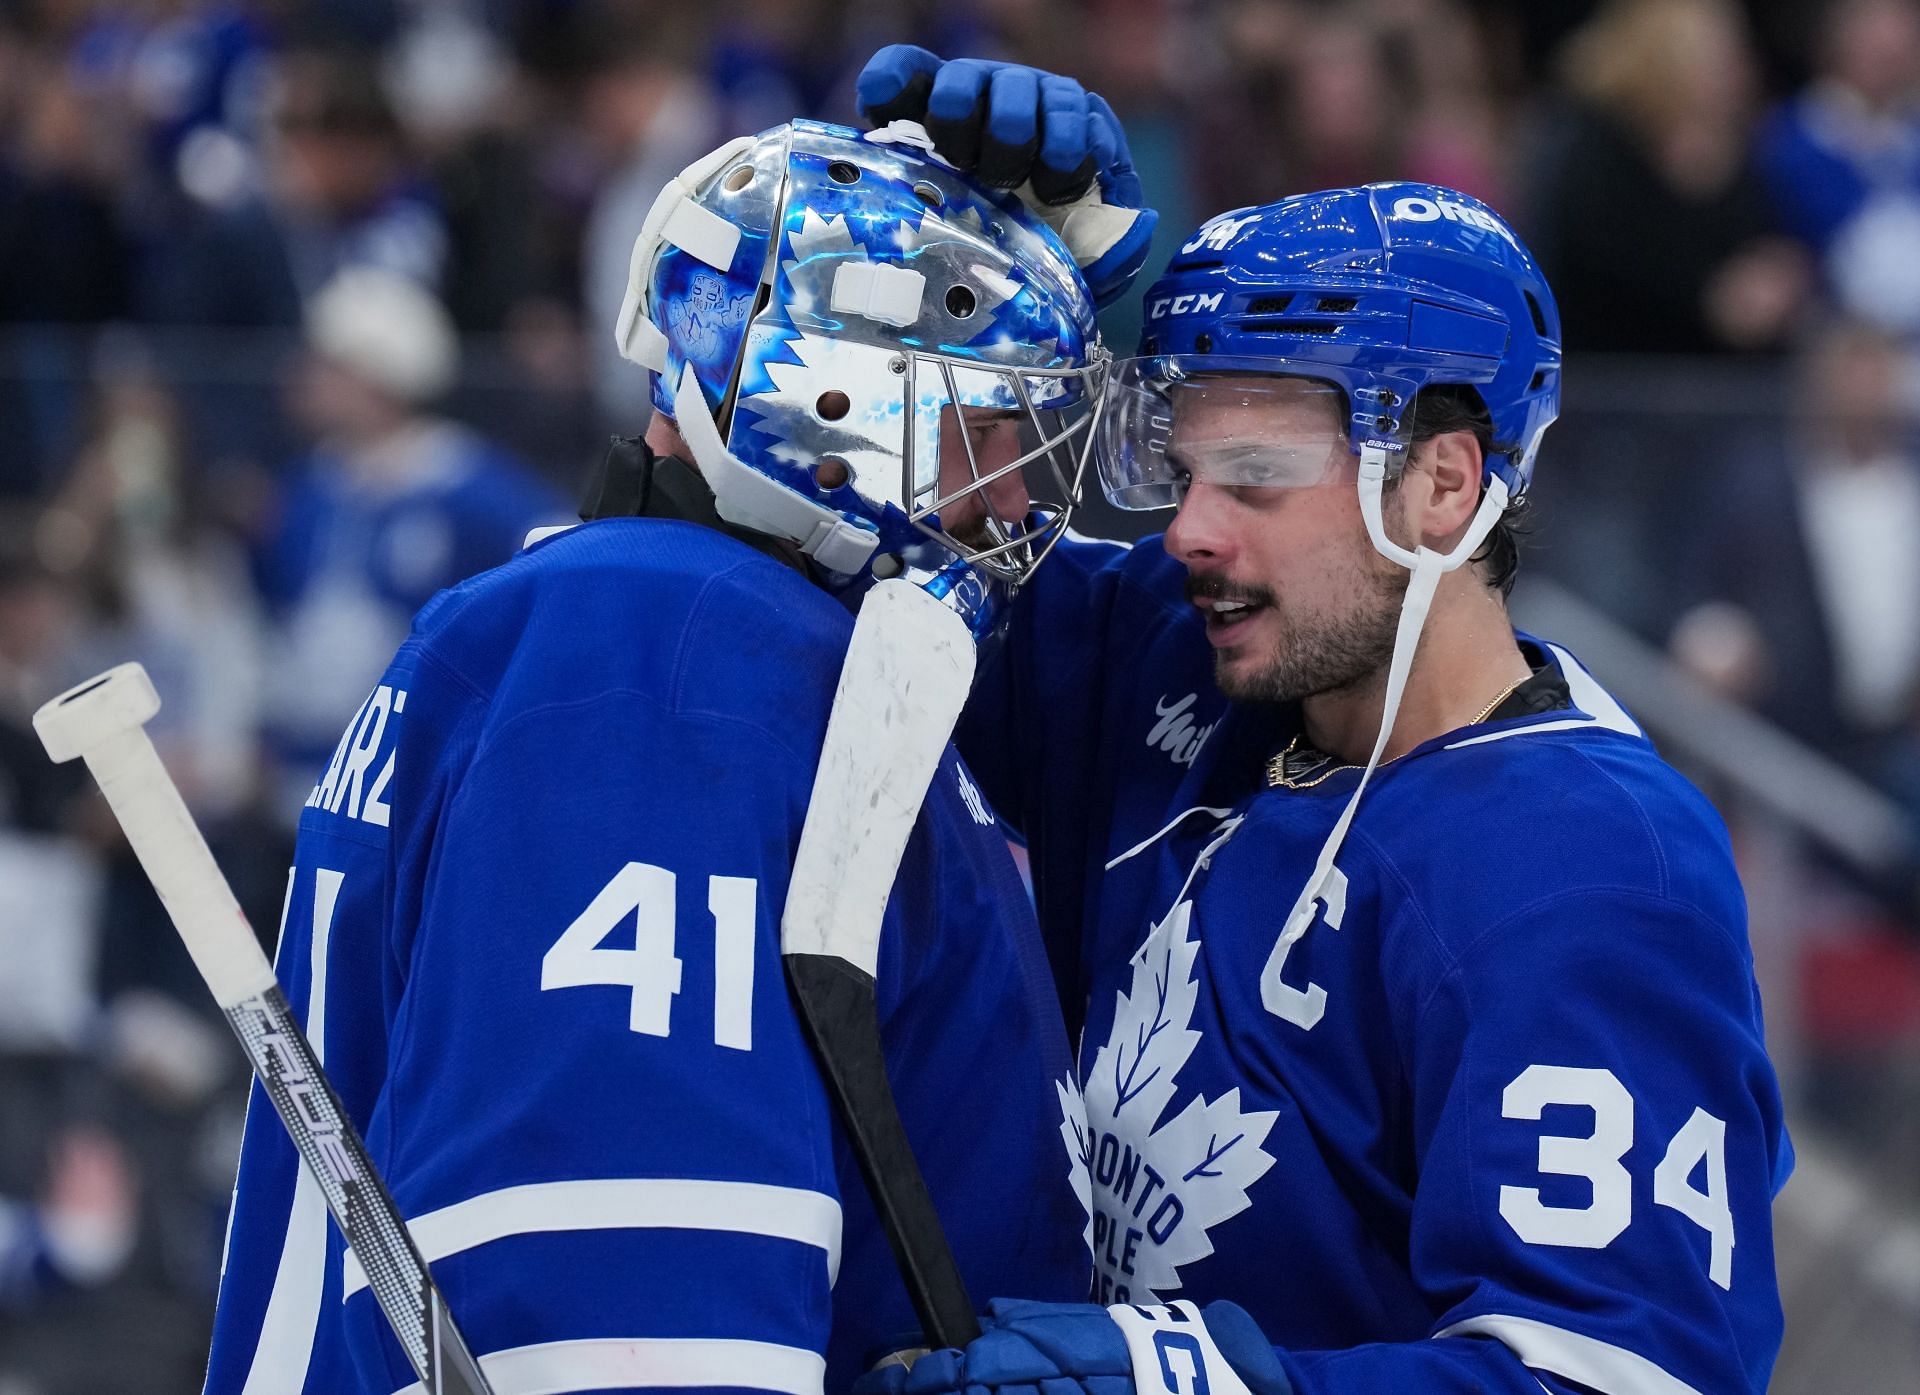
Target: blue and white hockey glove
[(1028, 1348), (1045, 136)]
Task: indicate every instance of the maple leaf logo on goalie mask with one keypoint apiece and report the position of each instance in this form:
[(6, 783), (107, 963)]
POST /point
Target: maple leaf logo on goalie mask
[(1160, 1184)]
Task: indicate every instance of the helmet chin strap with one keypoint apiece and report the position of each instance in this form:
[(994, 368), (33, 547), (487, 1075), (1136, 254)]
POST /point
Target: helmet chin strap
[(1427, 567), (744, 496)]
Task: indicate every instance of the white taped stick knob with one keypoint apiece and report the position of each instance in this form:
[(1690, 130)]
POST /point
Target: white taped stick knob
[(104, 720), (84, 717)]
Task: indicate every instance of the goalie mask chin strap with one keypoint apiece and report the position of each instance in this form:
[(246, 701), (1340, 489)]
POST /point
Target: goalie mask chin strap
[(636, 483), (1427, 567), (749, 499)]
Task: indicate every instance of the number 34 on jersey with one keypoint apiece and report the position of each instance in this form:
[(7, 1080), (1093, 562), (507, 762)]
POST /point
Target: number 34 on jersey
[(1596, 1157)]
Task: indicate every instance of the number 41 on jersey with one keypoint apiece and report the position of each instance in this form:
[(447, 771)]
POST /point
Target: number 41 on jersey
[(643, 895)]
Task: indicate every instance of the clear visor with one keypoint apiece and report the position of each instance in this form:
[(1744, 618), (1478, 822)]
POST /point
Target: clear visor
[(995, 457), (1169, 422)]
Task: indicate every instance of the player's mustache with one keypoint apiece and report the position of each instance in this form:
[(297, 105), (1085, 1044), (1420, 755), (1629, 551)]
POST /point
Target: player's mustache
[(1216, 586)]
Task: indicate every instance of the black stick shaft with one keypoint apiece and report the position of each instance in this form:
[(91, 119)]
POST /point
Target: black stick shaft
[(839, 1011)]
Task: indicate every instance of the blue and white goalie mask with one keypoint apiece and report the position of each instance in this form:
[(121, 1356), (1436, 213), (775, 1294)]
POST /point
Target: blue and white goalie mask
[(868, 353)]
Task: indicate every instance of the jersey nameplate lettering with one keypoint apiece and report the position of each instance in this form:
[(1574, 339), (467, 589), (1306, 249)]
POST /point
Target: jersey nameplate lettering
[(351, 787)]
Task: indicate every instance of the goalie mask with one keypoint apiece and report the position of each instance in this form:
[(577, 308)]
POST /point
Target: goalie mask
[(867, 353)]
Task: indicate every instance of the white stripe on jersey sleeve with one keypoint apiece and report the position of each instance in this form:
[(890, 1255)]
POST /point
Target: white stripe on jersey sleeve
[(621, 1203), (552, 1368), (284, 1349), (1585, 1360)]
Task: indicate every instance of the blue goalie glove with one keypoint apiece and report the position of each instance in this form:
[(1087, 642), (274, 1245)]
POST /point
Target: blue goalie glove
[(1028, 1348), (1038, 133)]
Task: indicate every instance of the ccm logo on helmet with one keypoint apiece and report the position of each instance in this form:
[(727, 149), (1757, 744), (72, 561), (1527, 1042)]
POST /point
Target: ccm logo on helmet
[(1415, 210), (1191, 303)]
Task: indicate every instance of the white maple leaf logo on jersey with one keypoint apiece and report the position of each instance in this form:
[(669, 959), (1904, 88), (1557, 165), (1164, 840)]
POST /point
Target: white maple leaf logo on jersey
[(1158, 1187), (1073, 1133)]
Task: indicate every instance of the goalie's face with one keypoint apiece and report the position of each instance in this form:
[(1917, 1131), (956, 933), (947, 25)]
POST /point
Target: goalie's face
[(983, 475), (1295, 599)]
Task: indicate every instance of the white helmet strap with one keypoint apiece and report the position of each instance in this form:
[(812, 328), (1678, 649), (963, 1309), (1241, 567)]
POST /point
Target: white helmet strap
[(674, 218), (1427, 567), (745, 497), (1373, 485)]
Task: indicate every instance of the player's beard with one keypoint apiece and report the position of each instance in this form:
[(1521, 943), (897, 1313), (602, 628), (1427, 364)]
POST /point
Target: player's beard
[(1320, 650)]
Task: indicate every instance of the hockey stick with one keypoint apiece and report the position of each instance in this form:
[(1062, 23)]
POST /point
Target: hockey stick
[(104, 721), (901, 688)]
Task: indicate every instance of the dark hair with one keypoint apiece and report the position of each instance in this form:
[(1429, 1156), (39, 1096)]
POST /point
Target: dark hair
[(1445, 407)]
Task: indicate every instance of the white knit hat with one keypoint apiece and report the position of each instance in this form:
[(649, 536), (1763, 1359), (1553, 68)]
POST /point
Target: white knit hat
[(387, 328)]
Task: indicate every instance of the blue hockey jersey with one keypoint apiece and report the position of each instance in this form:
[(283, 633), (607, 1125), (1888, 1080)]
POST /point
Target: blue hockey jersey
[(533, 929), (1502, 1119)]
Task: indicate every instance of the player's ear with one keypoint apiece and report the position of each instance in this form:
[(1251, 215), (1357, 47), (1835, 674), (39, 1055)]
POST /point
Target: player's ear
[(1453, 464)]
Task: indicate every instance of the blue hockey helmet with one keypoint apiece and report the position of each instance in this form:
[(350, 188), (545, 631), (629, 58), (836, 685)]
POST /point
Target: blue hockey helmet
[(819, 304), (1378, 291), (1359, 298)]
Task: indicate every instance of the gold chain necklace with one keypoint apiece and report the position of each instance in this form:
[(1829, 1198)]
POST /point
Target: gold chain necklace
[(1488, 710), (1318, 772)]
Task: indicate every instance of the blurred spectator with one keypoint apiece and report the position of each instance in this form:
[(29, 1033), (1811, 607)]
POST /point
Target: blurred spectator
[(132, 532), (186, 79), (1808, 579), (1648, 215), (773, 58), (70, 1227), (340, 189), (1458, 127), (78, 1232), (648, 117), (1341, 126), (1317, 97), (1300, 103), (37, 620), (63, 258), (468, 118), (50, 884), (394, 504), (1842, 159)]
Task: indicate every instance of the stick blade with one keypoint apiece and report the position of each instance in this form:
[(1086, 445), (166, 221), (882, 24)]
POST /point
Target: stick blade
[(905, 678)]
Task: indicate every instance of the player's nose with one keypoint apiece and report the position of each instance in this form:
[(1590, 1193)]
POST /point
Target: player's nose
[(1008, 497), (1201, 530)]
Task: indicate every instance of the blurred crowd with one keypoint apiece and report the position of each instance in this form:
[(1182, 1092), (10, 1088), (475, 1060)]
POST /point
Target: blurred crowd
[(304, 314)]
